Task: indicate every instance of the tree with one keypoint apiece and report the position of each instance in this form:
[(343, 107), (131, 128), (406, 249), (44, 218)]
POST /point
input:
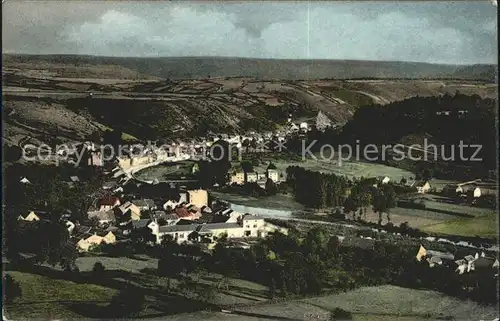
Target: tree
[(169, 265), (271, 188), (98, 270), (383, 200), (12, 289), (271, 166), (247, 166)]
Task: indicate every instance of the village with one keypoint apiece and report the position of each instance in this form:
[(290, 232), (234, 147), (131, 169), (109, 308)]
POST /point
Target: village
[(194, 217)]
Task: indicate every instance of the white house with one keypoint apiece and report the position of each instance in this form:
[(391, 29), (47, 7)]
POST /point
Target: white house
[(385, 180), (244, 226), (273, 175), (170, 204), (24, 180), (237, 178), (252, 177), (477, 192), (423, 187), (30, 217)]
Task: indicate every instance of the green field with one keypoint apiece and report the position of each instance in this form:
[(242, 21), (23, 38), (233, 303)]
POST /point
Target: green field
[(349, 168), (482, 226), (48, 293), (392, 302), (47, 298), (167, 171), (366, 304)]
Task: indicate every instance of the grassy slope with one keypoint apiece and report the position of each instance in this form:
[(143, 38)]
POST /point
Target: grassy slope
[(45, 295), (392, 301), (483, 226), (45, 298)]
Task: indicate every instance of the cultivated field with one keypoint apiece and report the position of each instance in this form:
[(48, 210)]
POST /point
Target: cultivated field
[(482, 226)]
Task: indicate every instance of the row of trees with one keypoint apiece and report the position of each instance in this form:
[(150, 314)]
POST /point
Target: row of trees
[(315, 189), (318, 190)]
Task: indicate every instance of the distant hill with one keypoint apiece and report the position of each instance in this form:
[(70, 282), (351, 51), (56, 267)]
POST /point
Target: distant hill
[(202, 67)]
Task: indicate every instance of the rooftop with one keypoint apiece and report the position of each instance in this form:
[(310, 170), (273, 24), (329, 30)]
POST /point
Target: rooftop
[(144, 202), (177, 228), (110, 200), (207, 228), (251, 217)]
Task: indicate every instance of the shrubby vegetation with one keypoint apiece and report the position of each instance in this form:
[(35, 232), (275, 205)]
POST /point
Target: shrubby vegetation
[(50, 196), (293, 265), (471, 120)]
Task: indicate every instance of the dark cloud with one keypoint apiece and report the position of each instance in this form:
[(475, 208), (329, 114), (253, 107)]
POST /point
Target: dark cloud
[(446, 32)]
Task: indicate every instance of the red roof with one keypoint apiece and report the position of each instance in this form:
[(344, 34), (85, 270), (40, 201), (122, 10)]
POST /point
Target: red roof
[(182, 212), (110, 200)]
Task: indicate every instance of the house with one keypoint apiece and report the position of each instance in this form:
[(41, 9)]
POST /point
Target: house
[(442, 255), (184, 197), (171, 219), (170, 204), (423, 187), (198, 197), (103, 217), (273, 175), (183, 213), (226, 215), (422, 252), (261, 176), (293, 127), (24, 180), (434, 260), (109, 185), (157, 215), (251, 177), (70, 226), (145, 204), (87, 241), (237, 178), (135, 212), (30, 217), (179, 233), (216, 230), (384, 179), (137, 224), (468, 263), (109, 203), (194, 209)]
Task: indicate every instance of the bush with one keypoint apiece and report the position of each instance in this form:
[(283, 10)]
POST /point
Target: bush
[(12, 289), (98, 269)]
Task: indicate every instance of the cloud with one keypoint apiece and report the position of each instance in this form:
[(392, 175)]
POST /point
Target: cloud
[(429, 32)]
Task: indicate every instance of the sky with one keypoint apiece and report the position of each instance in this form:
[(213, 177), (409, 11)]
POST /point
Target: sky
[(442, 32)]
